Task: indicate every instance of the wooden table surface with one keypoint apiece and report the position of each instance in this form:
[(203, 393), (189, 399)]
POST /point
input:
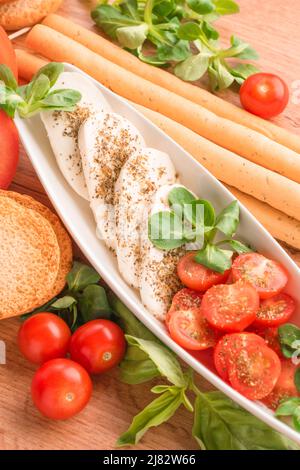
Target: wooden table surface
[(272, 27)]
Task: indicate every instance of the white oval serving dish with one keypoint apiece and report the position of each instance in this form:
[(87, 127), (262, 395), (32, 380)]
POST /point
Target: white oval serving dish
[(78, 218)]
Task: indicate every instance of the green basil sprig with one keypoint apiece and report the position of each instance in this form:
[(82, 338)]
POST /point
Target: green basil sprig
[(289, 338), (185, 223), (82, 300), (290, 407), (37, 96), (182, 33), (219, 423)]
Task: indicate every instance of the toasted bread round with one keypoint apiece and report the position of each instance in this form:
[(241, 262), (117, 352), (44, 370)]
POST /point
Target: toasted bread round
[(17, 14), (30, 258), (64, 241)]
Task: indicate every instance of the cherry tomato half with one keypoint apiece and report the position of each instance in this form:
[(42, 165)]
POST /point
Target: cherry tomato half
[(98, 346), (285, 386), (275, 311), (228, 345), (264, 94), (254, 370), (230, 307), (267, 276), (196, 276), (184, 299), (61, 388), (44, 336), (190, 330)]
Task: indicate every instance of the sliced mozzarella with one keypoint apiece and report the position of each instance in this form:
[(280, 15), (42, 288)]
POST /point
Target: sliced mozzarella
[(106, 141), (140, 177), (62, 127), (159, 281)]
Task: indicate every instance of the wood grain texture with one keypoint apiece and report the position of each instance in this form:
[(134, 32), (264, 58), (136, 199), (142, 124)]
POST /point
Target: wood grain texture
[(272, 27)]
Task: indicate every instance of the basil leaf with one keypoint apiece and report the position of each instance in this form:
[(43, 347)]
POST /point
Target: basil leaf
[(241, 49), (203, 7), (193, 68), (226, 7), (189, 31), (164, 8), (238, 247), (61, 99), (288, 406), (220, 424), (64, 302), (289, 337), (132, 36), (7, 77), (130, 8), (214, 258), (296, 419), (149, 59), (9, 100), (209, 31), (81, 276), (165, 230), (165, 360), (111, 19), (52, 71), (243, 71), (228, 220), (180, 196), (208, 214), (179, 51), (129, 323), (223, 75), (297, 379), (135, 372), (38, 89), (93, 303), (157, 412)]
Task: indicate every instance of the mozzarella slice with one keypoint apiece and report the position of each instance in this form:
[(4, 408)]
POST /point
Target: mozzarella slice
[(140, 177), (159, 281), (62, 127), (106, 141)]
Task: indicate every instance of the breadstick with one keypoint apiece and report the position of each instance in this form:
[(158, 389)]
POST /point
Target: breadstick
[(160, 77), (239, 139)]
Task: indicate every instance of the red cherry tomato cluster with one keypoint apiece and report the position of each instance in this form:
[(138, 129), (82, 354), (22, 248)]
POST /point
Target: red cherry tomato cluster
[(62, 386), (214, 310)]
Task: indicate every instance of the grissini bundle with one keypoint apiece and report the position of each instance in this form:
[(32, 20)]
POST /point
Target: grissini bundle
[(232, 169), (280, 225), (160, 77), (228, 167), (235, 137)]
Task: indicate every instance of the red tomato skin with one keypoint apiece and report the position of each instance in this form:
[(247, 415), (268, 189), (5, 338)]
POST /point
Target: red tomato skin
[(60, 389), (44, 336), (184, 300), (228, 346), (282, 305), (98, 346), (196, 276), (9, 150), (285, 386), (257, 386), (217, 306), (266, 287), (179, 323), (270, 336), (264, 94), (7, 53)]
